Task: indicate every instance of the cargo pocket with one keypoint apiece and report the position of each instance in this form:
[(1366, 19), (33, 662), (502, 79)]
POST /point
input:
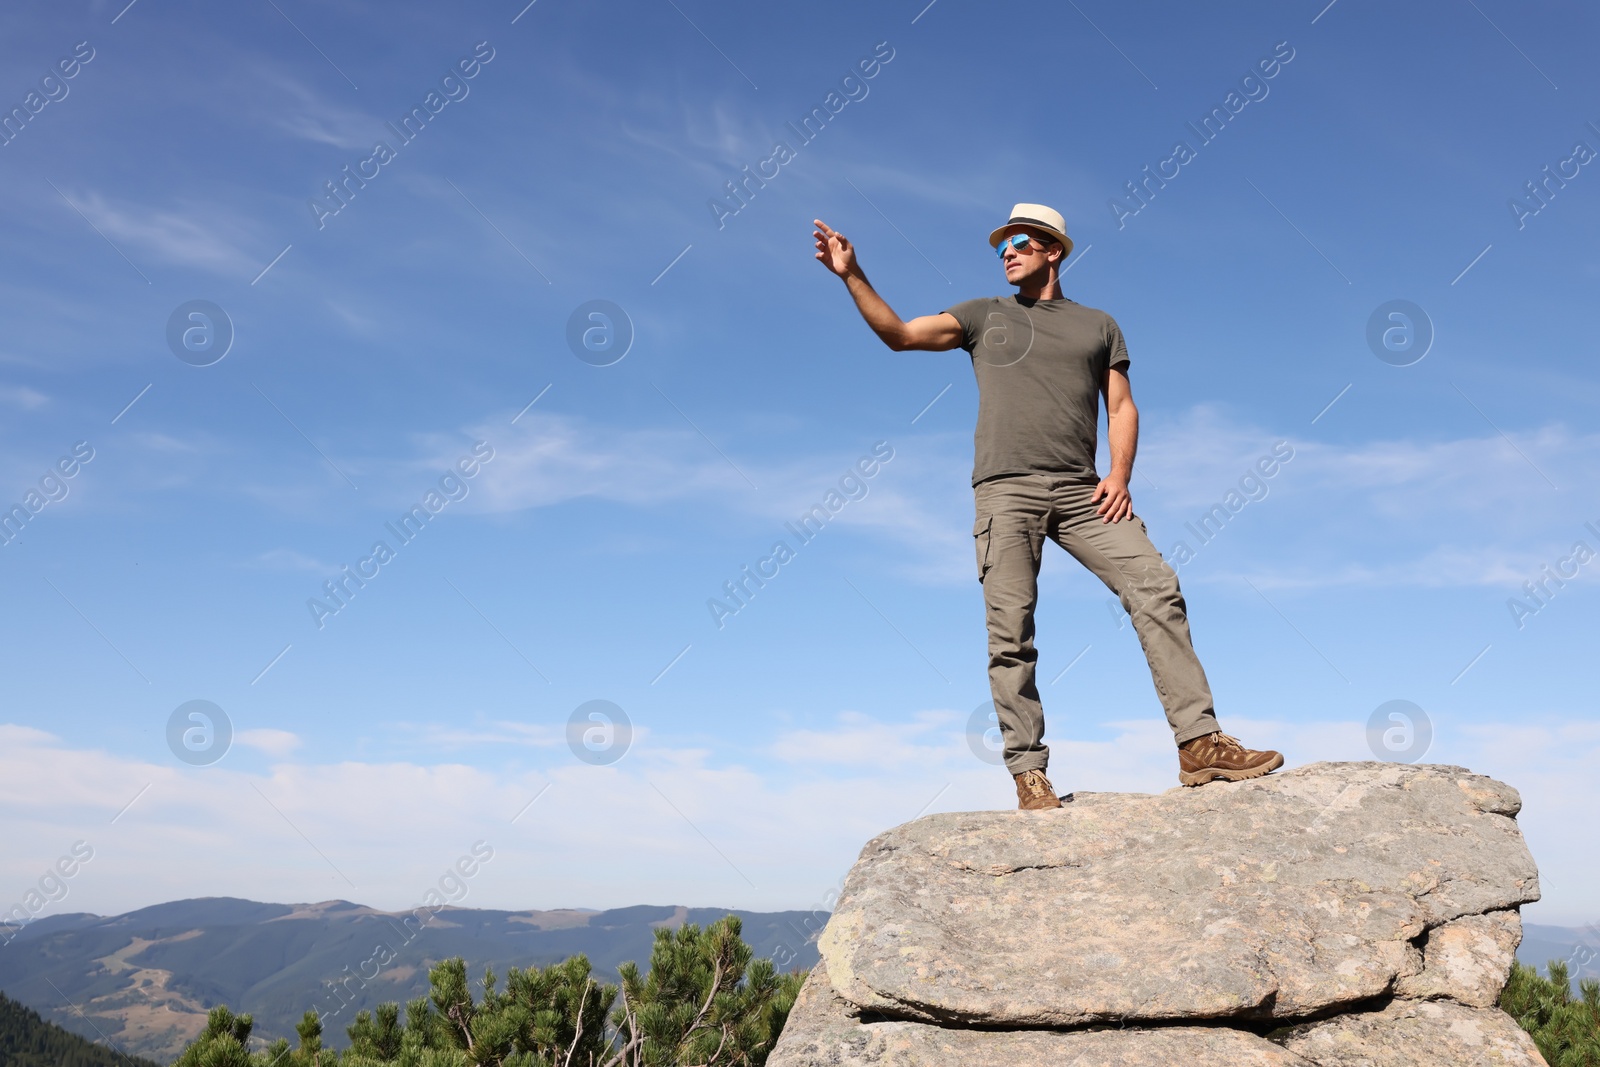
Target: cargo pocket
[(980, 538)]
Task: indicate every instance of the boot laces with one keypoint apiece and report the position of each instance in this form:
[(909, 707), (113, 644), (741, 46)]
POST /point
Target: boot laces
[(1222, 740), (1034, 782)]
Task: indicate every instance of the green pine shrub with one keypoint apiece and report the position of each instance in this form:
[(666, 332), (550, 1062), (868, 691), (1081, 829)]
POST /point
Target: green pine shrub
[(1566, 1029), (704, 1001)]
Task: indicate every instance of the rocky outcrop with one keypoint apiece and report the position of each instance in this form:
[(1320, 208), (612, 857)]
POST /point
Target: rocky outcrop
[(1415, 1033), (1339, 913), (824, 1030), (1466, 960)]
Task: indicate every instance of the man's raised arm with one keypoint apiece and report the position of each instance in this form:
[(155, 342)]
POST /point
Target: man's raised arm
[(927, 333)]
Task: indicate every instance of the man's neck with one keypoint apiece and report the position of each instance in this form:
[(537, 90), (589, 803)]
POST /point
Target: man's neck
[(1046, 288)]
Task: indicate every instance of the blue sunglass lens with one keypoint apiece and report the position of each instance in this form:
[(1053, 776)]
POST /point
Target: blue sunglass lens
[(1019, 241)]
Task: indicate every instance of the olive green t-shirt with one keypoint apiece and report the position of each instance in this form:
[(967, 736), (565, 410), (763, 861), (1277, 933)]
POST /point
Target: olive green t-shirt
[(1039, 365)]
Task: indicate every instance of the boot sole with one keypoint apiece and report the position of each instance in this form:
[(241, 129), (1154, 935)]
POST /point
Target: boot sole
[(1209, 774), (1061, 802)]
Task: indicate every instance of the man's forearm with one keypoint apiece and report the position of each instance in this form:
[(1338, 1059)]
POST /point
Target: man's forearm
[(874, 309), (1122, 434)]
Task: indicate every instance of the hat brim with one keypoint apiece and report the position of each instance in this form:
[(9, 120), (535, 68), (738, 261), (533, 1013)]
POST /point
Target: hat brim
[(1066, 242)]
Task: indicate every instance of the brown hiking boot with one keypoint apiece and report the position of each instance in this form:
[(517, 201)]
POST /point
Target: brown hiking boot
[(1034, 792), (1216, 755)]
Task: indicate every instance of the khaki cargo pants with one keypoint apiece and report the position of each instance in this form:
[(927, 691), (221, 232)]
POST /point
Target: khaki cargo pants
[(1015, 514)]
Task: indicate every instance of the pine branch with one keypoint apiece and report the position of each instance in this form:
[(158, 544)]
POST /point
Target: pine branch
[(716, 982), (578, 1036)]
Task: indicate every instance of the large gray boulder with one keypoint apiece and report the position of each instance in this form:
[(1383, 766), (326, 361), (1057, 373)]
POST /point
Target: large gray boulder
[(1209, 922), (1416, 1033), (826, 1031), (1278, 897)]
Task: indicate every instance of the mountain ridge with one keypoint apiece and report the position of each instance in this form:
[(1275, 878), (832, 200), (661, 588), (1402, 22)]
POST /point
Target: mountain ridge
[(145, 979)]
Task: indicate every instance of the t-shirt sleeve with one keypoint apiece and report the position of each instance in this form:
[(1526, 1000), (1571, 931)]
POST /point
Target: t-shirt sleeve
[(1116, 347), (970, 313)]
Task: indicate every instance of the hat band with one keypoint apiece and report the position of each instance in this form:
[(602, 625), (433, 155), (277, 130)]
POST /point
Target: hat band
[(1020, 220)]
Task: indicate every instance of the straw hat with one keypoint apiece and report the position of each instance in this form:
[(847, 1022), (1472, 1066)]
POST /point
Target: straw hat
[(1040, 218)]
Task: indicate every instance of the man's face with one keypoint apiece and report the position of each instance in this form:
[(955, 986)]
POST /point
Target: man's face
[(1022, 264)]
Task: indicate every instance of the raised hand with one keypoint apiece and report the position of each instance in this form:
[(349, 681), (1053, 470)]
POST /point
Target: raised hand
[(834, 249)]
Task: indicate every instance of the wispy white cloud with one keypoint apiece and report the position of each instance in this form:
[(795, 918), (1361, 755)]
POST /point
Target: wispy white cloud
[(557, 458), (1407, 512), (290, 106), (858, 740), (1401, 512), (287, 559), (16, 734), (157, 442), (21, 396), (782, 830), (359, 323), (448, 737), (188, 233), (279, 743), (704, 140), (1446, 567)]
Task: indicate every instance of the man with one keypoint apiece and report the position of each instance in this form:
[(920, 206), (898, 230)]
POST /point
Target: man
[(1043, 362)]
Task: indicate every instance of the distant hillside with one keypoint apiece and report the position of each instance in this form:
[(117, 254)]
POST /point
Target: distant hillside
[(146, 979), (26, 1040), (1578, 946)]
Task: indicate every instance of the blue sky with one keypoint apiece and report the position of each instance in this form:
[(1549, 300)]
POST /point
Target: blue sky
[(374, 347)]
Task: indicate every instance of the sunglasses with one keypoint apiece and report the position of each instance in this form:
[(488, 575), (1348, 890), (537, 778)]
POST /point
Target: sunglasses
[(1020, 241)]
